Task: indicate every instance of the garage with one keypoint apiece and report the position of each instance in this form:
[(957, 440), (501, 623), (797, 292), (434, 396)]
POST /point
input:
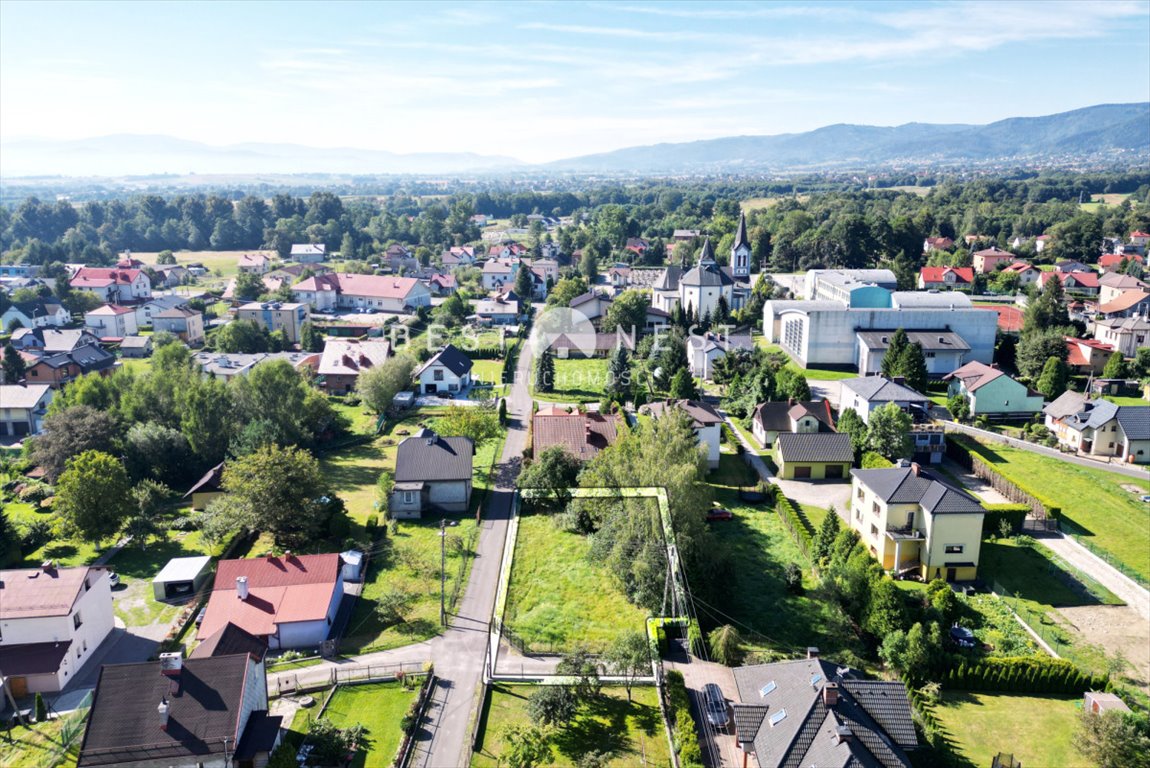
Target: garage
[(802, 473), (834, 471), (181, 578)]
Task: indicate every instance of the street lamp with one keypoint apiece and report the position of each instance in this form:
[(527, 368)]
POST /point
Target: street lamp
[(442, 571)]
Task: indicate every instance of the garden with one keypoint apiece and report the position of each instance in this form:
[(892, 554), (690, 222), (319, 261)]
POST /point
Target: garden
[(1037, 730), (378, 708), (577, 380)]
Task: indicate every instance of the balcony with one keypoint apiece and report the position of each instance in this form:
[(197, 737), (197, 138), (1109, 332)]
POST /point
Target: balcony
[(904, 533)]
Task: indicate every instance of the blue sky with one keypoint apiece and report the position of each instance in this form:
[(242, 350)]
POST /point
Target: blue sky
[(543, 80)]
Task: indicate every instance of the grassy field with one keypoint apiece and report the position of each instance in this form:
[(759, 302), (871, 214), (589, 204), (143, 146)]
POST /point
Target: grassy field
[(756, 203), (558, 597), (1099, 201), (490, 371), (577, 380), (1093, 500), (135, 603), (757, 602), (1029, 573), (378, 707), (733, 472), (750, 438), (1120, 400), (826, 374), (224, 261), (37, 746), (137, 365), (631, 732), (1038, 730)]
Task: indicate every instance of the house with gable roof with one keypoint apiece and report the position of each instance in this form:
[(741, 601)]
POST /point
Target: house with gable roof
[(771, 419), (581, 433), (1100, 428), (704, 420), (344, 359), (449, 370), (432, 474), (362, 292), (990, 391), (41, 313), (946, 278), (865, 394), (113, 285)]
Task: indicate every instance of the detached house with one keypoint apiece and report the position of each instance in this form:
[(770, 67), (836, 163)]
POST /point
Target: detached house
[(866, 394), (1087, 356), (946, 278), (111, 321), (432, 474), (308, 253), (448, 371), (1100, 428), (581, 433), (254, 263), (498, 272), (343, 360), (184, 322), (771, 419), (362, 292), (704, 420), (987, 260), (1127, 335), (22, 409), (53, 621), (113, 285), (913, 522), (276, 316), (990, 391), (35, 314), (1126, 304), (1084, 282), (1027, 273)]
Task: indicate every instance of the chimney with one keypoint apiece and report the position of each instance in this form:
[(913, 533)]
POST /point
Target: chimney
[(163, 712), (899, 380), (831, 695), (843, 733), (915, 468), (812, 652), (242, 587), (171, 664)]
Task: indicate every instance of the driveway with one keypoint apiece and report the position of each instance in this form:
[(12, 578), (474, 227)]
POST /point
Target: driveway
[(817, 493), (720, 749), (823, 389)]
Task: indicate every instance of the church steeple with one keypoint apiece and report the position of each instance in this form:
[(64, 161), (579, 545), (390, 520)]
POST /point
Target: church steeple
[(707, 255), (741, 233), (741, 251)]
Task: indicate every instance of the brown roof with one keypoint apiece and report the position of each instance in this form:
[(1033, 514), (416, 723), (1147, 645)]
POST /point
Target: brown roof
[(230, 640), (1124, 301), (974, 375), (581, 434), (38, 592), (33, 658), (776, 416), (701, 414)]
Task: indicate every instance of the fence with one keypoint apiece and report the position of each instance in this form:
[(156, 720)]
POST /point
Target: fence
[(71, 728), (1080, 536), (311, 679), (963, 454), (1051, 638)]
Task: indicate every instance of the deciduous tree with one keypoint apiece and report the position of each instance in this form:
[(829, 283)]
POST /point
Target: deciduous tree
[(71, 432), (378, 386), (889, 432), (629, 657), (1054, 378), (479, 423), (279, 490), (93, 495)]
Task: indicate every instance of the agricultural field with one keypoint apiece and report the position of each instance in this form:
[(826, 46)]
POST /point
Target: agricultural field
[(226, 262), (557, 597), (632, 732), (1037, 730)]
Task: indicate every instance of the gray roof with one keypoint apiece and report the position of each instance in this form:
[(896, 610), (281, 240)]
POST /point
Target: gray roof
[(876, 389), (1066, 404), (909, 299), (816, 447), (1135, 421), (23, 395), (914, 485), (668, 279), (182, 569), (450, 358), (1093, 414), (135, 342), (701, 414), (167, 302), (775, 416), (430, 458), (928, 340), (707, 274), (741, 233)]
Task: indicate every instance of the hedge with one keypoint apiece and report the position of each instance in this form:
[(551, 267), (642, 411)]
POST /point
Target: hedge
[(794, 524), (682, 724), (1015, 514), (485, 353), (509, 363), (967, 453), (1023, 674)]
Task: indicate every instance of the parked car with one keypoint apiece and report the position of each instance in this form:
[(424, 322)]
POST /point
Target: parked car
[(962, 637), (200, 615), (718, 513), (715, 705), (113, 579)]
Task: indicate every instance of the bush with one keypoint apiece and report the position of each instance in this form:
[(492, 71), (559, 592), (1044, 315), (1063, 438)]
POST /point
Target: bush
[(1024, 674), (793, 578), (872, 460), (41, 709), (996, 514), (794, 523), (372, 523)]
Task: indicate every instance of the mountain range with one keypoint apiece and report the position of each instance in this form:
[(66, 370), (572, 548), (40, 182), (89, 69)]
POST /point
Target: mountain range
[(1109, 130)]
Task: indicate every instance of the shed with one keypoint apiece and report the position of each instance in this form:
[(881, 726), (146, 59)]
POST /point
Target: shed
[(352, 565), (182, 577), (403, 399), (1097, 702)]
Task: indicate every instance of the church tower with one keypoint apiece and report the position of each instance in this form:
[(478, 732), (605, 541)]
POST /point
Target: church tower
[(741, 252)]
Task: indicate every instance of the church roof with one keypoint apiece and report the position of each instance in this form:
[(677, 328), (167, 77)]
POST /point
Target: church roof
[(707, 275), (708, 253), (669, 279), (741, 232)]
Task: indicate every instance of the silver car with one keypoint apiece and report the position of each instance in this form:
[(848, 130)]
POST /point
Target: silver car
[(715, 705)]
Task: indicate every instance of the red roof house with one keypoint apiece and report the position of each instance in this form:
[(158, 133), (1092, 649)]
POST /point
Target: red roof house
[(1081, 282), (945, 277), (1111, 261), (582, 434)]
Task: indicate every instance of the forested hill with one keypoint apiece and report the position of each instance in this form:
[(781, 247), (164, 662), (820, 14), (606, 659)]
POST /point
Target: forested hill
[(1104, 130)]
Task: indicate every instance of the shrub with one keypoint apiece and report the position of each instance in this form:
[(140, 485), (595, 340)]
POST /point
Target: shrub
[(41, 709), (552, 704), (372, 523), (793, 578), (872, 460)]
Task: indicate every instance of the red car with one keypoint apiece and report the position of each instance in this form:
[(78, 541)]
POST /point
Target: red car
[(718, 513)]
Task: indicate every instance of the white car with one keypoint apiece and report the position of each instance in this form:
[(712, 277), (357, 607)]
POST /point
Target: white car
[(113, 579)]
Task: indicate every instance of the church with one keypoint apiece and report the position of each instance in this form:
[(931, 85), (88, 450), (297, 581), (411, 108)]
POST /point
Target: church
[(699, 289)]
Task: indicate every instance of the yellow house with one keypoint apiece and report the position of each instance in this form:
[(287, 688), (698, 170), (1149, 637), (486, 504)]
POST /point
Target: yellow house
[(207, 488), (814, 456), (913, 522)]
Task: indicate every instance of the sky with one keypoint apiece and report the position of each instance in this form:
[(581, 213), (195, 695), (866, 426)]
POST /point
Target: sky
[(540, 81)]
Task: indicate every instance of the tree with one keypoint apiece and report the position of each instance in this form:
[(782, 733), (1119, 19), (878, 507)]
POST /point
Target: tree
[(627, 313), (153, 450), (958, 406), (310, 339), (524, 284), (1141, 363), (478, 423), (884, 610), (629, 657), (206, 419), (889, 432), (1034, 349), (1115, 367), (912, 367), (93, 495), (1054, 378), (70, 432), (580, 664), (726, 645), (1045, 309), (892, 360), (545, 372), (279, 490), (378, 386), (1114, 739), (589, 264), (249, 286), (825, 539), (393, 604), (851, 423), (554, 470), (243, 337), (682, 386), (791, 383), (14, 366), (565, 290), (143, 523), (552, 705), (619, 375), (525, 746)]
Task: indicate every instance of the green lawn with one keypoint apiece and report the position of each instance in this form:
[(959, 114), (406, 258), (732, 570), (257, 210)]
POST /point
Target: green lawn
[(733, 472), (1120, 400), (826, 374), (757, 601), (558, 597), (1093, 500), (137, 365), (631, 732), (577, 380), (750, 438), (37, 746), (1037, 730), (135, 602), (814, 515), (490, 371), (378, 707)]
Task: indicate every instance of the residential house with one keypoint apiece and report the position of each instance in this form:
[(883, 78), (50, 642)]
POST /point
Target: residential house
[(1027, 273), (684, 235), (22, 409), (53, 619), (57, 369), (308, 253), (507, 250), (112, 285), (149, 309), (1087, 356), (1127, 335), (208, 487), (1112, 285), (990, 392), (497, 311), (771, 419), (41, 313), (1100, 428), (946, 278), (864, 395), (45, 341), (277, 316), (449, 370), (254, 263), (1084, 282), (547, 269), (136, 346), (289, 601), (184, 322), (1139, 238), (586, 345), (937, 244), (231, 640), (498, 272), (913, 522), (987, 260), (703, 351), (432, 474), (636, 245), (171, 275), (227, 366), (344, 359), (111, 321), (592, 305), (1113, 262), (362, 292), (813, 455), (181, 713), (1127, 304), (442, 285), (1070, 265), (704, 420), (656, 320), (813, 712), (944, 350), (581, 433), (619, 276)]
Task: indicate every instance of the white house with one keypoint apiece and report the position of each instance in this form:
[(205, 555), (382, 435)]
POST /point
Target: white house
[(111, 320), (1125, 334), (149, 309), (864, 395), (432, 474), (1100, 428), (703, 351), (499, 272), (363, 292), (35, 314), (22, 409), (308, 253), (113, 285), (448, 371), (53, 620), (254, 263), (704, 419)]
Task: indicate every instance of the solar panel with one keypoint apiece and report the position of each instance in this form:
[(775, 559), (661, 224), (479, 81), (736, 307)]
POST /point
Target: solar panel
[(778, 717), (767, 689), (816, 678)]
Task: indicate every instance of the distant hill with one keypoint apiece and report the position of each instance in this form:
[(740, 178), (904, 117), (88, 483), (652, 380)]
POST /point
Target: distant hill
[(1080, 133), (126, 155)]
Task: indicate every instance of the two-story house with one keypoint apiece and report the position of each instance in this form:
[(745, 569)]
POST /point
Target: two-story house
[(449, 370), (184, 322), (52, 620), (912, 522), (990, 391), (344, 359), (704, 420), (277, 316), (22, 408), (40, 313), (111, 321), (432, 474), (771, 419), (866, 394), (113, 285), (1099, 427)]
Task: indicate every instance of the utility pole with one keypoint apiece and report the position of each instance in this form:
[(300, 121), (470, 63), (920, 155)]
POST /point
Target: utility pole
[(442, 572)]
